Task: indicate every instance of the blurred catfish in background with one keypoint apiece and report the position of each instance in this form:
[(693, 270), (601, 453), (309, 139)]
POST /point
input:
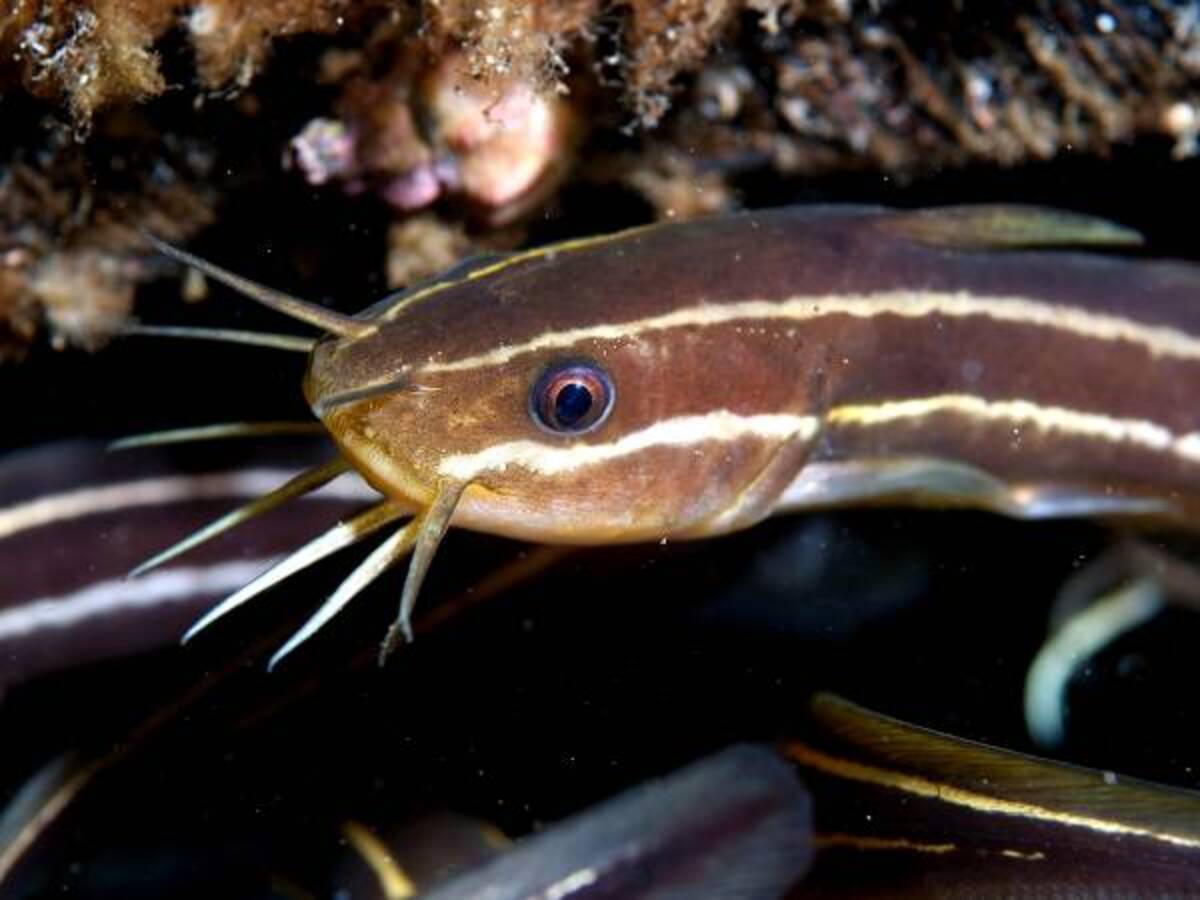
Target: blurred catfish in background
[(904, 811), (75, 520), (733, 825)]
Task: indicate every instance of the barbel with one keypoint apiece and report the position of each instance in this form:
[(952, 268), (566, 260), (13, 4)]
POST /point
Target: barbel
[(689, 380)]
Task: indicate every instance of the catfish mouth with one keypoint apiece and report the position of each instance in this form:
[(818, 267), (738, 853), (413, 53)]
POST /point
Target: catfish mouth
[(391, 475), (323, 405), (428, 504), (347, 423), (432, 503)]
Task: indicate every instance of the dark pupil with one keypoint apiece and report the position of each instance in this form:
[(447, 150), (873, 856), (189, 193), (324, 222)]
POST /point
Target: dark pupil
[(572, 403)]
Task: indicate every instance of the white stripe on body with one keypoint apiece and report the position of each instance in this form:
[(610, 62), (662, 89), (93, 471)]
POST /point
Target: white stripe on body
[(722, 426), (1158, 340), (1025, 413), (106, 498), (682, 431), (116, 595)]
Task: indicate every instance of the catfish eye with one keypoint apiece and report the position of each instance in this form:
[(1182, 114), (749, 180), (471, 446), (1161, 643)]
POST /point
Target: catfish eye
[(572, 398)]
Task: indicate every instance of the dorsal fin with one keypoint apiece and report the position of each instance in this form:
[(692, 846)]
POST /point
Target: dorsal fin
[(326, 319), (1007, 226)]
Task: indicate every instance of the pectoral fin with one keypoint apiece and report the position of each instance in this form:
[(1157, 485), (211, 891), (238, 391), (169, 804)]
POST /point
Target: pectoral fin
[(933, 482)]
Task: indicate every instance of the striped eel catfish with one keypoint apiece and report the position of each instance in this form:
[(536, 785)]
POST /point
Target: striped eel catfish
[(688, 380), (904, 811)]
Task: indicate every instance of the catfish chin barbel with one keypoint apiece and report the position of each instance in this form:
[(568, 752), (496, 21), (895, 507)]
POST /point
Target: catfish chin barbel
[(684, 381)]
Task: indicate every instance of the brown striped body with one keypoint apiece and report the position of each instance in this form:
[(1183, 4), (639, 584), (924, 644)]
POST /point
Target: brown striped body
[(781, 359), (902, 811), (74, 520), (689, 380)]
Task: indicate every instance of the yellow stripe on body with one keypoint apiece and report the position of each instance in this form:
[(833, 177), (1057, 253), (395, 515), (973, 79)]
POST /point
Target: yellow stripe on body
[(722, 426), (919, 786), (391, 877), (500, 265), (864, 842), (1158, 340)]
